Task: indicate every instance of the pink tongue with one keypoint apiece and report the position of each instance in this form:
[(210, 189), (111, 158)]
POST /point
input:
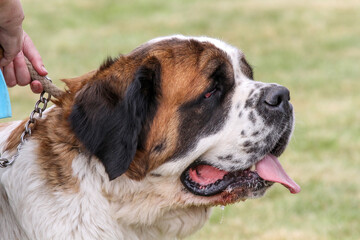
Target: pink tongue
[(270, 169), (205, 174)]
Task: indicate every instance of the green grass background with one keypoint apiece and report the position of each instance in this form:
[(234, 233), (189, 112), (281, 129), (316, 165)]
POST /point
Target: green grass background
[(312, 47)]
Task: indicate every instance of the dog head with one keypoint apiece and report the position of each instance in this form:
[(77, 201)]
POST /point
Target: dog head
[(186, 112)]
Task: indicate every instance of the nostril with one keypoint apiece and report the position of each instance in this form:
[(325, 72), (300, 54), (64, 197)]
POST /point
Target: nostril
[(273, 101), (276, 95)]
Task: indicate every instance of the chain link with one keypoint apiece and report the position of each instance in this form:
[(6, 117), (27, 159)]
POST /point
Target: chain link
[(38, 110)]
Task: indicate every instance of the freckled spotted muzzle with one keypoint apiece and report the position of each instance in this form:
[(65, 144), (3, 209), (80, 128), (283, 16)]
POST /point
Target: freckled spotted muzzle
[(205, 180), (271, 105)]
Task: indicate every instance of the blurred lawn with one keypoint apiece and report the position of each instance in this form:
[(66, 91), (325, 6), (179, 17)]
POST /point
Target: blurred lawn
[(312, 47)]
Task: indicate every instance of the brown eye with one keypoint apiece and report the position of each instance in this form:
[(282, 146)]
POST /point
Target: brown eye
[(209, 94)]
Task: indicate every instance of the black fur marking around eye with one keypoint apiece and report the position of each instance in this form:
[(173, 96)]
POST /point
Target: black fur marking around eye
[(206, 116)]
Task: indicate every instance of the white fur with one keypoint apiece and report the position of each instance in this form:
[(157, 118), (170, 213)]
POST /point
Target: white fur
[(228, 140), (4, 134), (153, 208), (30, 210)]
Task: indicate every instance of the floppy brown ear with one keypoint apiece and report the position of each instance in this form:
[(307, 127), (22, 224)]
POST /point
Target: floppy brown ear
[(109, 125)]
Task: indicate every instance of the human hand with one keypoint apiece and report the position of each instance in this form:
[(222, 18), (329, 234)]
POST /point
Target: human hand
[(16, 72), (16, 43), (11, 18)]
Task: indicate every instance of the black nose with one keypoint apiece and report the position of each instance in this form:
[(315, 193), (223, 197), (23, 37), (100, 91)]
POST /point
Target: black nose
[(276, 97)]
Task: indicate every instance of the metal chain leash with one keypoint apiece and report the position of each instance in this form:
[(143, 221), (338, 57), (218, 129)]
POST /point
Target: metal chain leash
[(38, 110)]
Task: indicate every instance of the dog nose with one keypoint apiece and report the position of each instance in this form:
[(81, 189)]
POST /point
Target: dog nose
[(276, 97)]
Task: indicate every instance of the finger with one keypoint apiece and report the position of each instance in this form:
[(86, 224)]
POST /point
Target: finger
[(36, 87), (33, 55), (11, 47), (9, 53), (21, 71), (9, 75), (8, 57), (4, 62)]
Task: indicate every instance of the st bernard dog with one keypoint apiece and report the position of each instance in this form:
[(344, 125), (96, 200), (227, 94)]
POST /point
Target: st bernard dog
[(143, 147)]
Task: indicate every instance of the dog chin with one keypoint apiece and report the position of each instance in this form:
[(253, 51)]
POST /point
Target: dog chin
[(223, 187)]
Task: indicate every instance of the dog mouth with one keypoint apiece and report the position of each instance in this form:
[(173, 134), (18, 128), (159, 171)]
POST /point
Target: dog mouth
[(203, 179)]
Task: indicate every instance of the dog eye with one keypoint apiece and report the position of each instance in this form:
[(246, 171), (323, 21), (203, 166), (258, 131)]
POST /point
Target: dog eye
[(209, 94), (213, 91)]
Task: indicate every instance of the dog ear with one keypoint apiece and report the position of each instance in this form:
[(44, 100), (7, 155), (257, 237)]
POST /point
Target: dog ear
[(110, 125)]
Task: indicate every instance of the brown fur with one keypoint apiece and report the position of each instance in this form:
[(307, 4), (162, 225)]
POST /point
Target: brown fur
[(175, 86), (57, 148), (14, 139), (58, 145)]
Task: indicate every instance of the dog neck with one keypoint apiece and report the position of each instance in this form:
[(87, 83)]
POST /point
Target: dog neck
[(139, 206)]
